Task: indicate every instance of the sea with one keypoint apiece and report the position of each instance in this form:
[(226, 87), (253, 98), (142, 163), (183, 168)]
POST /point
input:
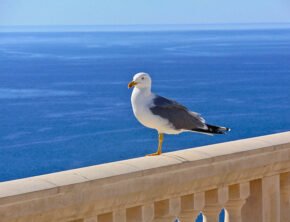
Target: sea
[(64, 101)]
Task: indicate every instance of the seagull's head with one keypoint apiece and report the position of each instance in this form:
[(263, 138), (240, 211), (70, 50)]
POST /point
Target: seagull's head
[(140, 80)]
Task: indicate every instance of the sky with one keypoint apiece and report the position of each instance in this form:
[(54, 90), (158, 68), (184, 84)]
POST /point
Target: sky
[(134, 12)]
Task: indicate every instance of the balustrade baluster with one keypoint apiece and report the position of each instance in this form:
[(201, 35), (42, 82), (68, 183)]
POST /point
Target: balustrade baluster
[(167, 210), (148, 212), (271, 198), (119, 215), (237, 195), (212, 207), (285, 197)]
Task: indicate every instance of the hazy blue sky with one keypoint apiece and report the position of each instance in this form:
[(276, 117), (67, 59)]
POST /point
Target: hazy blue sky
[(98, 12)]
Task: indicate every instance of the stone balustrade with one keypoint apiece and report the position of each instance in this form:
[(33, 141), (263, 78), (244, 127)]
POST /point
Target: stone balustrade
[(248, 178)]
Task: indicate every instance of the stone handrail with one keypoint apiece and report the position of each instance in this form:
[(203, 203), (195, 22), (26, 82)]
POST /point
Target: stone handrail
[(248, 178)]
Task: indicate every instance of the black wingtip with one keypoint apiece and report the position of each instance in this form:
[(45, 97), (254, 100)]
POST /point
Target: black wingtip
[(213, 129)]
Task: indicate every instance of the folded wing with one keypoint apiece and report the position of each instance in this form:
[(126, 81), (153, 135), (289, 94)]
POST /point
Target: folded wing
[(178, 115)]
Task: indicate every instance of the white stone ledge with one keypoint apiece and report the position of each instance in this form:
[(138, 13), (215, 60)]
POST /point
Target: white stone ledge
[(84, 192)]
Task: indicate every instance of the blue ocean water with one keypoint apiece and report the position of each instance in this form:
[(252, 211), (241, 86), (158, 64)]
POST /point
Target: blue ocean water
[(64, 101)]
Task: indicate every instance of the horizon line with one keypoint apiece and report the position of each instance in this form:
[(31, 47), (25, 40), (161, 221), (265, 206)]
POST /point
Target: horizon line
[(142, 27), (148, 24)]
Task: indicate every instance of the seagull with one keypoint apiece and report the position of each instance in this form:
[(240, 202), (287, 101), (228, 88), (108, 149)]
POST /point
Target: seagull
[(165, 115)]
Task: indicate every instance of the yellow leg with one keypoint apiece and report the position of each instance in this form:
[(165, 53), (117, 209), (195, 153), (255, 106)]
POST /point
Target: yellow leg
[(160, 141)]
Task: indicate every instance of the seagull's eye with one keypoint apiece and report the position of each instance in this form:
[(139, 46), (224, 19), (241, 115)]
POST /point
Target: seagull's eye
[(142, 78)]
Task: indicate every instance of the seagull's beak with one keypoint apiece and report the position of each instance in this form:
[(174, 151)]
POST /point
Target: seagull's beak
[(131, 84)]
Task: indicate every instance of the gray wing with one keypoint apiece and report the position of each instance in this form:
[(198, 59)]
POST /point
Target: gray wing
[(178, 115)]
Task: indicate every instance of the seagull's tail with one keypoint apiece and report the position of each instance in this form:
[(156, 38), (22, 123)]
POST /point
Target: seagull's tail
[(213, 130)]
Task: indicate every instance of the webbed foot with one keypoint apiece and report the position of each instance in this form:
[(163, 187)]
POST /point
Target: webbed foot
[(154, 154)]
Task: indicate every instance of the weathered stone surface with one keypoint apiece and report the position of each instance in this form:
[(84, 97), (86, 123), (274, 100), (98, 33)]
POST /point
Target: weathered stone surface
[(181, 183)]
